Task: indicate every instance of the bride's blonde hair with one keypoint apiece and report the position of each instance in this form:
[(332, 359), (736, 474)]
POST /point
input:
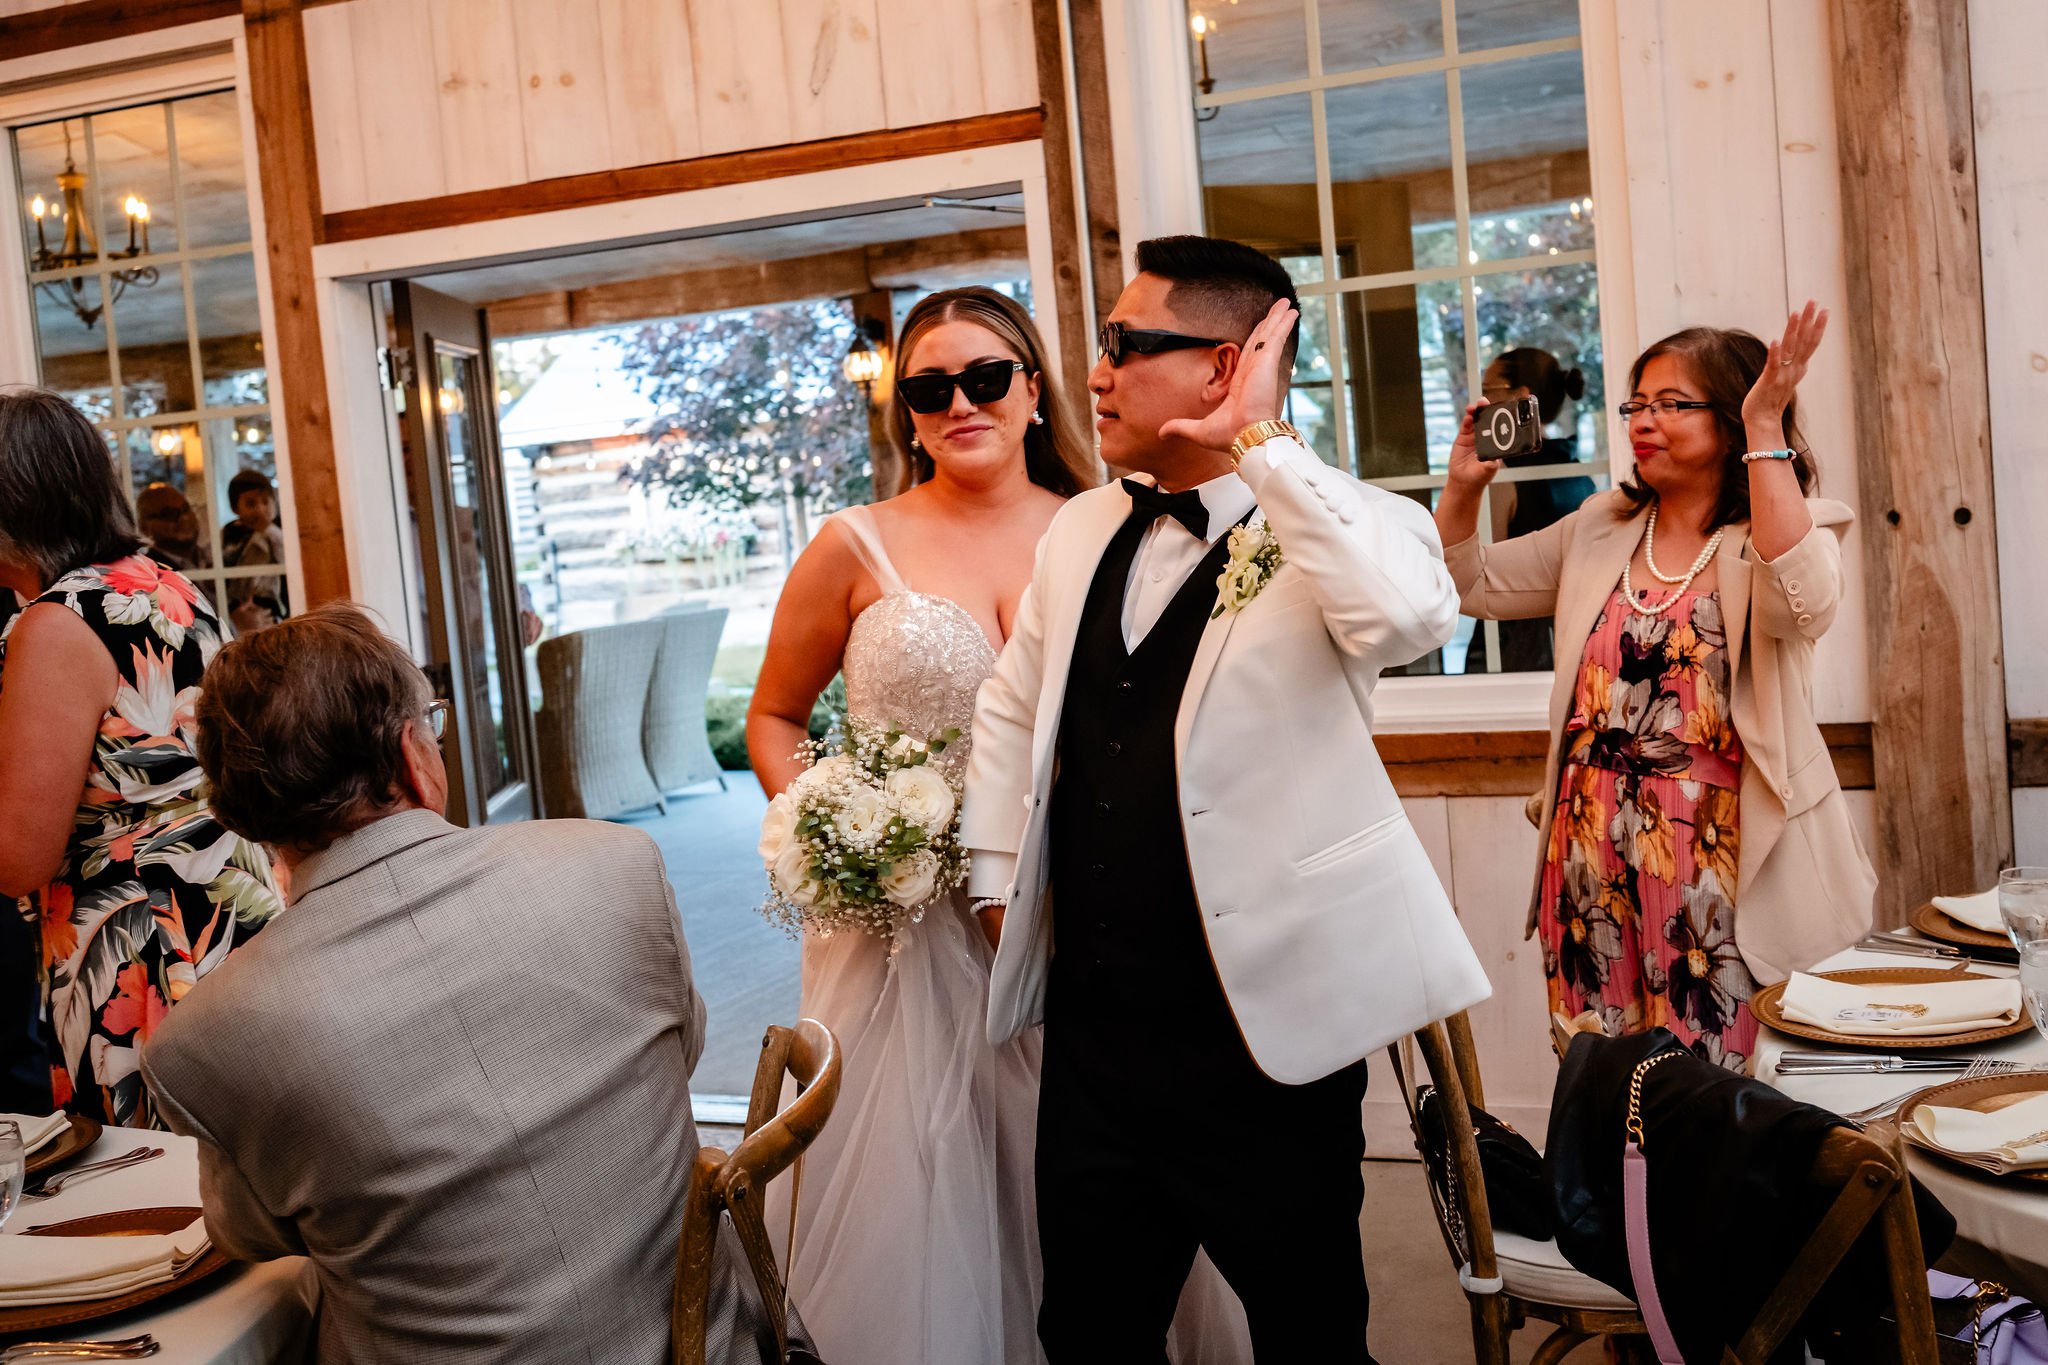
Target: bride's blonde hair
[(1057, 452)]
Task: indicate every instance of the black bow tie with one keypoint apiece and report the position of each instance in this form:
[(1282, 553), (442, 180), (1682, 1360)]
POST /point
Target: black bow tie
[(1184, 507)]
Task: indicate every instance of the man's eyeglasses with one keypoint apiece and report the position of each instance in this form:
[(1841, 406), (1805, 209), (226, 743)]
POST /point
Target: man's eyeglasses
[(437, 717), (1662, 407), (1118, 341), (984, 382)]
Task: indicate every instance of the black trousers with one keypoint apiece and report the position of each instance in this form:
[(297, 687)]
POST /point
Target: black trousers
[(1157, 1134)]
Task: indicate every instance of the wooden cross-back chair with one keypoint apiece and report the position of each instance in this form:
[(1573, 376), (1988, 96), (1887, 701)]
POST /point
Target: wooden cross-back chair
[(735, 1185), (1509, 1279)]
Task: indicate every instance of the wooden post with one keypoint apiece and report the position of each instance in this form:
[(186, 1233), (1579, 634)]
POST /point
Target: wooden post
[(892, 472), (1916, 328), (1071, 273), (1098, 157), (290, 178)]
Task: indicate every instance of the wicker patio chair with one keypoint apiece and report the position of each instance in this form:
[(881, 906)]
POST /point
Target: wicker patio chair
[(594, 685), (677, 746)]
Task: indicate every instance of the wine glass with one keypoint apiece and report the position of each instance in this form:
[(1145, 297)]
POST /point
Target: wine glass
[(2023, 903), (2034, 981), (13, 1166)]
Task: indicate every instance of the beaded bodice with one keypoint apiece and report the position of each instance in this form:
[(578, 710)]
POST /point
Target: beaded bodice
[(913, 660)]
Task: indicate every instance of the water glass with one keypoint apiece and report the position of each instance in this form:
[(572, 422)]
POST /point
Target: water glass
[(2023, 903), (13, 1166), (2034, 981)]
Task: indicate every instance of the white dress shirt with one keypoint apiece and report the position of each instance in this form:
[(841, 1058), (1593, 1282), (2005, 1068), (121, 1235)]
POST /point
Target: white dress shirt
[(1169, 552)]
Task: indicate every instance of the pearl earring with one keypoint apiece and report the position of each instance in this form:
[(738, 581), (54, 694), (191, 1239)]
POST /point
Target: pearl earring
[(1037, 419), (916, 444)]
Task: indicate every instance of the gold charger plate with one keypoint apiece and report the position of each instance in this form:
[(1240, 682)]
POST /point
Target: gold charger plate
[(1764, 1005), (126, 1223), (82, 1133), (1985, 1094), (1937, 925)]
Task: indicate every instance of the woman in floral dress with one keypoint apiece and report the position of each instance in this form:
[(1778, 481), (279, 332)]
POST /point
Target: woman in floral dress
[(1695, 841), (140, 892)]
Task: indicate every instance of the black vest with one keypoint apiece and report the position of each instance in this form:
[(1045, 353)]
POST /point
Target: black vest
[(1125, 918)]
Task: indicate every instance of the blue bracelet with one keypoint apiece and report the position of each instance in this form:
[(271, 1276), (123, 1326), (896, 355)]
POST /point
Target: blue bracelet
[(1769, 455)]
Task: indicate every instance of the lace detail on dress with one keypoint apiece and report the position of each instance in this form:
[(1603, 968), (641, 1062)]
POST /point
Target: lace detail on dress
[(913, 660)]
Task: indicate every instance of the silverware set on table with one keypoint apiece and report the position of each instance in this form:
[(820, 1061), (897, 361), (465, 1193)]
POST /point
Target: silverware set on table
[(127, 1348), (49, 1185), (1872, 1064), (1901, 944)]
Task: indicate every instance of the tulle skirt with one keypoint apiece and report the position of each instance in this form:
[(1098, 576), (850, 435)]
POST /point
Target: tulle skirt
[(916, 1239)]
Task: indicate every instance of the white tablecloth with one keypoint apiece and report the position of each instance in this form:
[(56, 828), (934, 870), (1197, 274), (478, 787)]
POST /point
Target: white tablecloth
[(2001, 1225), (246, 1315)]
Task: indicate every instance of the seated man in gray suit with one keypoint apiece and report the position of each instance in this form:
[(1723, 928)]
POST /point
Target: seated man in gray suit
[(454, 1072)]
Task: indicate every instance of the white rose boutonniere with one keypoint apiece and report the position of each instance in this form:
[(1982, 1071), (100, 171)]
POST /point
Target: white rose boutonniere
[(1254, 558)]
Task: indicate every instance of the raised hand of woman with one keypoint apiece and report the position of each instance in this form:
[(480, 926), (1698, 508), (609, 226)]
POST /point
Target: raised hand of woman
[(1466, 467), (1785, 367)]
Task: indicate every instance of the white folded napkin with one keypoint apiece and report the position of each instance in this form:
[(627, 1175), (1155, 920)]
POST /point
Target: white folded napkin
[(46, 1270), (38, 1130), (1922, 1008), (1979, 911), (2014, 1138)]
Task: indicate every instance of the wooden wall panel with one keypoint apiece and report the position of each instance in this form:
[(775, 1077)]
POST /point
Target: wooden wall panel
[(337, 122), (742, 85), (1009, 75), (650, 81), (398, 107), (931, 61), (1493, 858), (562, 101), (476, 68), (832, 58), (1916, 329)]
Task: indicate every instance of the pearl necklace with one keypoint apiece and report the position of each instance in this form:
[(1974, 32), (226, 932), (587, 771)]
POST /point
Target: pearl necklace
[(1684, 581)]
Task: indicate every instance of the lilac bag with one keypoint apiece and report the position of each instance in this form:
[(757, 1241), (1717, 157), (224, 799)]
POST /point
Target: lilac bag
[(2006, 1329)]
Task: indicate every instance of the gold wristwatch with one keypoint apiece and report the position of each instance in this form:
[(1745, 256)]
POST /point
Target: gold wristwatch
[(1257, 434)]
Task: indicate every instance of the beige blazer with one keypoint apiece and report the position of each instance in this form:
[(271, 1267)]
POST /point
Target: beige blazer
[(1804, 886)]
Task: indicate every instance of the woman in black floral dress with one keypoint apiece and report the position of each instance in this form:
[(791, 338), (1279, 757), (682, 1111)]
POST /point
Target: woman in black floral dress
[(141, 893)]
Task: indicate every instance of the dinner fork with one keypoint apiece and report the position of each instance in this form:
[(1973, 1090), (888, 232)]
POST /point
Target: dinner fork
[(127, 1348), (1984, 1066), (49, 1186)]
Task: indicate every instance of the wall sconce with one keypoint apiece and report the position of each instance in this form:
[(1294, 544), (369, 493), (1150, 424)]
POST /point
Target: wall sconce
[(866, 363), (1201, 25)]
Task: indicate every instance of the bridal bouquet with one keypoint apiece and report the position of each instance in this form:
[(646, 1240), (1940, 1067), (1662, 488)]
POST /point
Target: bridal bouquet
[(866, 837)]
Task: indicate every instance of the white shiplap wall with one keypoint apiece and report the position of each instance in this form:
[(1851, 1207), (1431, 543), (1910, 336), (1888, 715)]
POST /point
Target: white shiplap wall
[(418, 98), (2009, 86)]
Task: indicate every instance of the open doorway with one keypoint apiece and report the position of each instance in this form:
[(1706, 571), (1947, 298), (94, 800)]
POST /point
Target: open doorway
[(596, 561)]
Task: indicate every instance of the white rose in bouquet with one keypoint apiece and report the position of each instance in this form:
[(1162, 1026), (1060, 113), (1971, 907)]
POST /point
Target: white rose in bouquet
[(822, 774), (864, 818), (778, 827), (912, 881), (791, 873), (924, 797)]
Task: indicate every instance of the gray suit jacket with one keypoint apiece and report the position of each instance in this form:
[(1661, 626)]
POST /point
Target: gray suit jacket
[(455, 1074)]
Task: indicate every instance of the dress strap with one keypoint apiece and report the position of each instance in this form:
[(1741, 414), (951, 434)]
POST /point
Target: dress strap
[(859, 524)]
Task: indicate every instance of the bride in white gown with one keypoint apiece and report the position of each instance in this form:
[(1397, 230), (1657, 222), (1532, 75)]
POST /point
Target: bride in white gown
[(916, 1242)]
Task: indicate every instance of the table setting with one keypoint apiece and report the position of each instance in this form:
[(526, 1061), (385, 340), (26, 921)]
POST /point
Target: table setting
[(104, 1255), (1942, 1029)]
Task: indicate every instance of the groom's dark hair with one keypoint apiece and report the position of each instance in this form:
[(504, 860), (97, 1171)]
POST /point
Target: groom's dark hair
[(1222, 285)]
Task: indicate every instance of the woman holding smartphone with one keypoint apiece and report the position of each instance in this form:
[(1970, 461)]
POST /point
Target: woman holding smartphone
[(1689, 776)]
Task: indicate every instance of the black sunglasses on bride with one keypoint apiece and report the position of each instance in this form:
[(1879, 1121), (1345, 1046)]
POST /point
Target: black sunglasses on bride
[(982, 382)]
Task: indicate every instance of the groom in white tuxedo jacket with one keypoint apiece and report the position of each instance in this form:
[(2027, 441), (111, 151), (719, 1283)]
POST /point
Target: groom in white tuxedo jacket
[(1203, 880)]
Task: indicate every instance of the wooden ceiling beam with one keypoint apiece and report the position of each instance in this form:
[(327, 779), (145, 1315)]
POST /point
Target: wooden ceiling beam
[(696, 173), (924, 263), (56, 27)]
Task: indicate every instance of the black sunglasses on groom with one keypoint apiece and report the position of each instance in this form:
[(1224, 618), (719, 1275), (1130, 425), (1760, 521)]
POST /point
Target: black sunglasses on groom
[(1118, 341)]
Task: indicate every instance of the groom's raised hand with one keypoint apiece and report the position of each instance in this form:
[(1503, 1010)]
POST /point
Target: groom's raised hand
[(1258, 389)]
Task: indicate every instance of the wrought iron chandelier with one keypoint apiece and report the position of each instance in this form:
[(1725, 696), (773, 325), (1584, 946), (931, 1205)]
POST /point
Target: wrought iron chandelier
[(80, 247)]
